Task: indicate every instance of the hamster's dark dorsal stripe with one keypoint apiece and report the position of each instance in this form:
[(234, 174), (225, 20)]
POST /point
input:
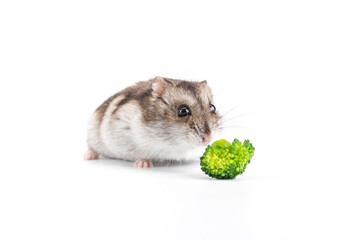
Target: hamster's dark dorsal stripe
[(188, 86), (138, 94), (120, 103), (192, 87), (104, 106)]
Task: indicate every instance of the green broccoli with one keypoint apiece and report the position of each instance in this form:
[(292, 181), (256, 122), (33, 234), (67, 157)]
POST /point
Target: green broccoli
[(223, 160)]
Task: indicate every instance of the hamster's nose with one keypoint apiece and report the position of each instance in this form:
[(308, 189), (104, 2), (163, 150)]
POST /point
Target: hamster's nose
[(206, 138)]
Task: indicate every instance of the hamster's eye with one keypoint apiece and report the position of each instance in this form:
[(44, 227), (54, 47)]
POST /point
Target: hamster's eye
[(212, 108), (184, 110)]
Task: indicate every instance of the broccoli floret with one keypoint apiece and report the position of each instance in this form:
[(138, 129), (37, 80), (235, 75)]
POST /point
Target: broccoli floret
[(223, 160)]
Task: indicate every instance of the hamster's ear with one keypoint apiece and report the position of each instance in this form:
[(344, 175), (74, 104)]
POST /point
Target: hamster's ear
[(159, 85), (203, 83)]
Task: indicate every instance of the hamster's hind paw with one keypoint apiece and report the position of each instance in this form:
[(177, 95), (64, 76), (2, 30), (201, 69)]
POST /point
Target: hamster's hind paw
[(143, 164), (91, 155)]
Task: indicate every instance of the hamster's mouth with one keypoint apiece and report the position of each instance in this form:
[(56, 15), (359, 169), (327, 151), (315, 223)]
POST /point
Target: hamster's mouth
[(206, 139), (202, 140)]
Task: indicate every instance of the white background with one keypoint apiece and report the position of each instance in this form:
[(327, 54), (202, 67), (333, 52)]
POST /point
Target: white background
[(290, 67)]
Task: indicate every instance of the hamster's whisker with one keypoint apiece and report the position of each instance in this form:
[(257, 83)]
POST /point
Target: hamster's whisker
[(197, 129), (226, 127), (178, 137), (237, 116), (196, 137), (231, 123), (232, 109)]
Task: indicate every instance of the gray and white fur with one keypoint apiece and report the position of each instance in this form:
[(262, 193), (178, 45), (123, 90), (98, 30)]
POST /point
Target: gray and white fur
[(156, 120)]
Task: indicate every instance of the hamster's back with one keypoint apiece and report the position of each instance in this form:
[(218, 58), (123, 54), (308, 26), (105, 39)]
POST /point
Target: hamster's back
[(120, 114)]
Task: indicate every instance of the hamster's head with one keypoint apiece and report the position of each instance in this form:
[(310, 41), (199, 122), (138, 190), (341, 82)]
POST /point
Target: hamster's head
[(186, 110)]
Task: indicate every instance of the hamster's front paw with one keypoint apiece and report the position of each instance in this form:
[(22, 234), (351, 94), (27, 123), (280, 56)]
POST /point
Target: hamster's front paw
[(91, 155), (143, 164)]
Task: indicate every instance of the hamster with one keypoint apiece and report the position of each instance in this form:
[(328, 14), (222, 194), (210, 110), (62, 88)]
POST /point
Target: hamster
[(156, 120)]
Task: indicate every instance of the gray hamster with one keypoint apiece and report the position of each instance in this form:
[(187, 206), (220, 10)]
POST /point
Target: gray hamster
[(156, 120)]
